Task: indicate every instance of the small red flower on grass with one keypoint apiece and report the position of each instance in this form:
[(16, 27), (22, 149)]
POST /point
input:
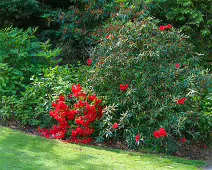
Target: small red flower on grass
[(115, 125), (181, 101), (205, 147)]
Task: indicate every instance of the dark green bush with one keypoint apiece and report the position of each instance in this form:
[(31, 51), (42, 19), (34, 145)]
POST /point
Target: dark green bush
[(21, 13), (21, 56), (79, 23), (145, 58)]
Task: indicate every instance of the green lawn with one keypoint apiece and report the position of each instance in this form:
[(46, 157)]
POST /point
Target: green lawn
[(22, 151)]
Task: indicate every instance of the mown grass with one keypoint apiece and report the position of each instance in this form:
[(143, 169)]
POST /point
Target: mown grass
[(23, 151)]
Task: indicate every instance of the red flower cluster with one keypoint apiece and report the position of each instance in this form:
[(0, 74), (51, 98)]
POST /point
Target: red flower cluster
[(181, 101), (124, 87), (44, 132), (89, 62), (160, 133), (163, 28), (83, 114)]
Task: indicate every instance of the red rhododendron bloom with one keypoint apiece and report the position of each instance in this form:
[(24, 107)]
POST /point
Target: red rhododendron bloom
[(181, 101), (137, 138), (162, 28), (157, 134), (76, 88), (160, 133), (92, 98), (108, 36), (89, 62), (74, 133), (169, 26), (124, 87), (177, 65), (61, 98), (115, 126), (183, 140), (54, 105)]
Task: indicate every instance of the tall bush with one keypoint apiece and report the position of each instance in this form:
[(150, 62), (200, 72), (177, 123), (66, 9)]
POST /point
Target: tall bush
[(150, 78)]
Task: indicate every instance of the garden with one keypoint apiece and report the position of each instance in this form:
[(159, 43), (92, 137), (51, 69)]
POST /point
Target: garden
[(105, 82)]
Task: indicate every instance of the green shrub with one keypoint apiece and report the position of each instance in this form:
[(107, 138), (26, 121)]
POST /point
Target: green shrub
[(160, 68), (21, 56), (33, 106), (19, 13)]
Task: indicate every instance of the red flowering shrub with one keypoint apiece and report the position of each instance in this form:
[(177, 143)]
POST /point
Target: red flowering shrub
[(147, 60), (81, 115)]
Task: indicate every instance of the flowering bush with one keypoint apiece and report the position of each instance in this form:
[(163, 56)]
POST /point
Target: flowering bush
[(150, 78), (76, 119)]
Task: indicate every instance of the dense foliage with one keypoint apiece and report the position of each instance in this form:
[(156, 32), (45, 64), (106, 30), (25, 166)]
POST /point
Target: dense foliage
[(147, 71), (152, 78), (19, 13), (33, 105), (21, 56), (193, 17)]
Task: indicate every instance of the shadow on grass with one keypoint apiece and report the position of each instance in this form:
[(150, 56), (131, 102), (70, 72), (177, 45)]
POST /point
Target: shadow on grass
[(18, 151), (159, 158)]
